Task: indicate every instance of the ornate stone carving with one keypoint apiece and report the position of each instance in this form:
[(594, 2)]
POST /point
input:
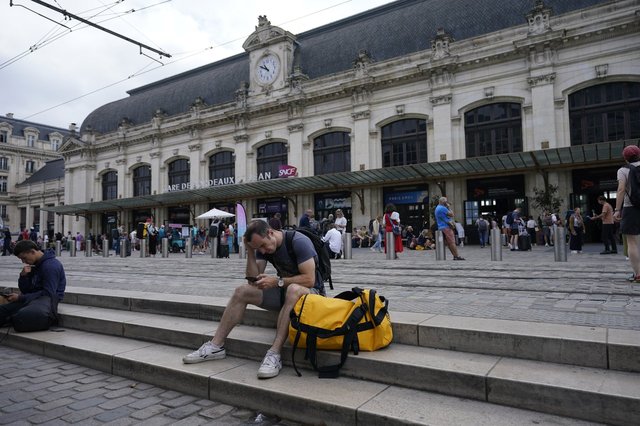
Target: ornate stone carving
[(361, 115), (327, 122), (158, 117), (400, 109), (295, 109), (106, 164), (295, 128), (138, 158), (121, 161), (538, 18), (153, 155), (602, 70), (541, 80), (175, 152), (242, 94), (241, 138), (194, 147), (440, 100), (296, 79), (440, 44), (361, 63), (361, 95), (488, 92), (241, 122), (267, 134), (441, 78)]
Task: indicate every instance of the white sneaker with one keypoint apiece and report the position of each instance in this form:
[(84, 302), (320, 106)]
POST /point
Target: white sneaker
[(574, 252), (207, 352), (546, 245), (271, 365)]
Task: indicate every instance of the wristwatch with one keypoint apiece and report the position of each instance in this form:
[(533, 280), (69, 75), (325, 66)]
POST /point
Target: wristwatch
[(280, 282)]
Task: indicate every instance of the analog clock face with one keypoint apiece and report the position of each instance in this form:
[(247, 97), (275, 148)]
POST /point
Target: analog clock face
[(267, 69)]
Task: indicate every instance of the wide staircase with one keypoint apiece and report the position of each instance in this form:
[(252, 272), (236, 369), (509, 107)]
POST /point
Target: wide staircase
[(439, 369)]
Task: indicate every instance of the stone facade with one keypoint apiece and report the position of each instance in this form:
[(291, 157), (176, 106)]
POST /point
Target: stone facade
[(25, 148), (536, 65)]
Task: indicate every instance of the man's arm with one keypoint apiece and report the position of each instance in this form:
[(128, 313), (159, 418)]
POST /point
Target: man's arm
[(254, 266), (307, 276)]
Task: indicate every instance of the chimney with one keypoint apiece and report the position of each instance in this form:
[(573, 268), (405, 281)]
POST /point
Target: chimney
[(9, 115)]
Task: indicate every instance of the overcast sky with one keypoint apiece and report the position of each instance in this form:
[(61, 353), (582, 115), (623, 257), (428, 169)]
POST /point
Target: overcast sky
[(55, 75)]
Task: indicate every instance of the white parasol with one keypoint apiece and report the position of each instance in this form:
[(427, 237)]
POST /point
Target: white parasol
[(215, 213)]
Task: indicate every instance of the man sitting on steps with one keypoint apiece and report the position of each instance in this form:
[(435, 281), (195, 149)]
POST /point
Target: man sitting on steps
[(274, 293)]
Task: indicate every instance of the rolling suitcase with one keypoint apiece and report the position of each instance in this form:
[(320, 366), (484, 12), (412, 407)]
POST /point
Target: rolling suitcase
[(524, 242)]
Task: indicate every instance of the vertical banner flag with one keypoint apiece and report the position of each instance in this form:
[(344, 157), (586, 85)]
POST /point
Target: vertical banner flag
[(241, 219)]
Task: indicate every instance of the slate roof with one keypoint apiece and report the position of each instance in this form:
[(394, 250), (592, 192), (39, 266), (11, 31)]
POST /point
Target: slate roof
[(18, 127), (53, 169), (386, 32)]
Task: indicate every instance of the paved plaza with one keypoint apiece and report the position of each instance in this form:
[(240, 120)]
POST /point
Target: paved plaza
[(588, 289)]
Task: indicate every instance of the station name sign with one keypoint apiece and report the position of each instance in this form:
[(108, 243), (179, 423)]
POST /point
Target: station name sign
[(201, 184)]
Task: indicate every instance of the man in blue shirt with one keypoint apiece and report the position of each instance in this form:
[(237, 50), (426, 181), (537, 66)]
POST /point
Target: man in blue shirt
[(444, 220)]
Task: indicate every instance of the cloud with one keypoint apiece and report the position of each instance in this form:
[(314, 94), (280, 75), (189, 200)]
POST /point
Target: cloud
[(86, 59)]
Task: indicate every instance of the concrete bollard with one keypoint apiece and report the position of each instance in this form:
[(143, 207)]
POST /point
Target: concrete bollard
[(441, 253), (242, 252), (165, 247), (88, 249), (214, 248), (188, 249), (560, 247), (496, 245), (123, 247), (390, 245), (72, 249), (346, 243), (58, 248), (105, 248)]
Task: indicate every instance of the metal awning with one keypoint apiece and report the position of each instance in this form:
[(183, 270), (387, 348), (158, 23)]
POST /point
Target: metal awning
[(601, 154)]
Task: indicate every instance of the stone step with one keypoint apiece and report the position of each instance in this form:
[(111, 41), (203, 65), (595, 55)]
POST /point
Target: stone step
[(598, 347), (346, 401), (490, 378)]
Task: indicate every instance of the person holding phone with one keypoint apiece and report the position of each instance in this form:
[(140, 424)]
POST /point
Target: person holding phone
[(272, 292), (42, 283)]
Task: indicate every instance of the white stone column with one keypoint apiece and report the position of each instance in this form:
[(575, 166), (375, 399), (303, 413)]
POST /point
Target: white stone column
[(442, 130), (542, 103), (360, 140)]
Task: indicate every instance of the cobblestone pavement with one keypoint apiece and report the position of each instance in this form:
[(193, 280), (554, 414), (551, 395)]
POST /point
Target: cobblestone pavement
[(589, 289), (35, 390)]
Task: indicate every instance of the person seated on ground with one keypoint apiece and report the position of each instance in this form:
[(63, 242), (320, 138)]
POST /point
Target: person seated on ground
[(42, 283), (425, 241), (410, 237), (363, 234), (334, 238), (275, 293)]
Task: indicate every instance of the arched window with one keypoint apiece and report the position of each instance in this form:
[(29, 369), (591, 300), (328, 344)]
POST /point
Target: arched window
[(142, 181), (270, 158), (222, 165), (179, 172), (404, 142), (606, 112), (332, 153), (493, 129), (110, 185)]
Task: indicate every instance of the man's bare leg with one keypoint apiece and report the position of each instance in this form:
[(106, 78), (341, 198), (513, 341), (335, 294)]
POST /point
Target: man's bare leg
[(234, 312)]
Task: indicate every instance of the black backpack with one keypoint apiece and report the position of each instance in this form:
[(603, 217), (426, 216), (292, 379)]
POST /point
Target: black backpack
[(509, 218), (324, 262), (634, 185)]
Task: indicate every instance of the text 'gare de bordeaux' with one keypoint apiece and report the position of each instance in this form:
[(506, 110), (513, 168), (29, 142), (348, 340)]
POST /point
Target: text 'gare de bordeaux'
[(483, 110)]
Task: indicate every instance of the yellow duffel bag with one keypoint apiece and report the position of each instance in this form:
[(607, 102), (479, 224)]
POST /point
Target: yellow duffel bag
[(353, 320)]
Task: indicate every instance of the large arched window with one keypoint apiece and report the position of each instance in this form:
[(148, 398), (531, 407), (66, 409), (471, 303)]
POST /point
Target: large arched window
[(222, 165), (110, 185), (179, 172), (270, 158), (332, 153), (404, 142), (142, 181), (606, 112), (493, 129)]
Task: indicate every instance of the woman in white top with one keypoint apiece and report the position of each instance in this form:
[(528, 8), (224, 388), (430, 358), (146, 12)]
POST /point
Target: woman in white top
[(341, 221)]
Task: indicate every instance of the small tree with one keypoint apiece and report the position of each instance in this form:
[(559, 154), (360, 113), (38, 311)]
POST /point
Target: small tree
[(546, 199)]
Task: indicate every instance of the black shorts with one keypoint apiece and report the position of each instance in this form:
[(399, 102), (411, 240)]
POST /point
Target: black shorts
[(630, 221)]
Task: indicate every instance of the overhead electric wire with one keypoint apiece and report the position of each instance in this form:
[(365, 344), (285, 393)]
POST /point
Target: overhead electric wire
[(187, 55)]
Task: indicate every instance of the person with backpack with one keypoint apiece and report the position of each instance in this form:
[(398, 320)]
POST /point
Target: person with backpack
[(606, 215), (294, 256), (628, 206), (513, 221), (483, 231)]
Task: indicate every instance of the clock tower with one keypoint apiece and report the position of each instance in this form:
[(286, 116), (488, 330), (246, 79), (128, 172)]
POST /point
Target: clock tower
[(270, 56)]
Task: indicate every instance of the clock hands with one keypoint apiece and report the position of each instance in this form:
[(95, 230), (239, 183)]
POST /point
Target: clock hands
[(264, 68)]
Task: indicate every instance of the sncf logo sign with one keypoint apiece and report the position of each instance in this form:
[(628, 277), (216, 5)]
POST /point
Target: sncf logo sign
[(286, 171)]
